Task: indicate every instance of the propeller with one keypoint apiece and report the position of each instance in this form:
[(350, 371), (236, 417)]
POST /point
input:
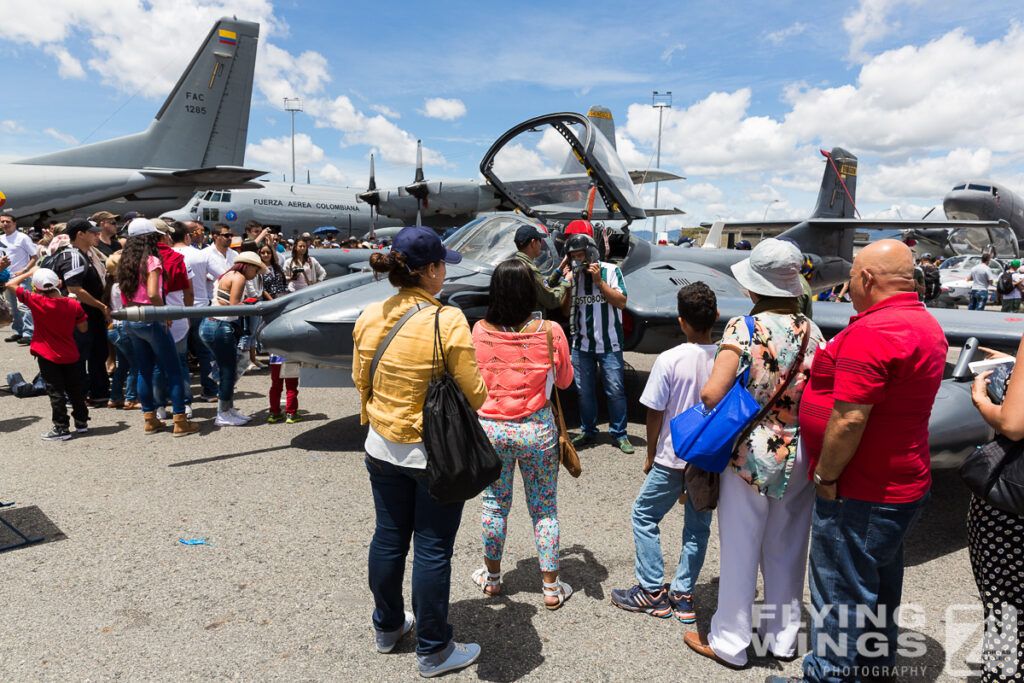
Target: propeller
[(419, 189), (371, 197)]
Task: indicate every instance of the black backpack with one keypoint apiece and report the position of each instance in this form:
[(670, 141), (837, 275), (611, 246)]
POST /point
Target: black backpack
[(932, 282), (1005, 283)]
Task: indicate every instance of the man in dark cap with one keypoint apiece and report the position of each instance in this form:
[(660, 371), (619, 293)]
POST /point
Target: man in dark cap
[(550, 290), (80, 270)]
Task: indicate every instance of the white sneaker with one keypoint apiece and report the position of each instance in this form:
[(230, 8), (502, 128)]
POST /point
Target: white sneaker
[(161, 413), (239, 416), (227, 420), (188, 410)]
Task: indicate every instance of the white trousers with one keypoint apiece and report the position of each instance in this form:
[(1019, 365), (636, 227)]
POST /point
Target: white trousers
[(757, 530)]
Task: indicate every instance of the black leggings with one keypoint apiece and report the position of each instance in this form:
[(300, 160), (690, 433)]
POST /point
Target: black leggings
[(61, 378)]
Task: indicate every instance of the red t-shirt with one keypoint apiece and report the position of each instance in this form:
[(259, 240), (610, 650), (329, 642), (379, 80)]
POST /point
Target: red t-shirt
[(175, 274), (890, 357), (54, 320)]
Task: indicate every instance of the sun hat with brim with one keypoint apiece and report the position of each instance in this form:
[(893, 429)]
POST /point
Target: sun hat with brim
[(44, 279), (422, 246), (773, 269), (250, 258)]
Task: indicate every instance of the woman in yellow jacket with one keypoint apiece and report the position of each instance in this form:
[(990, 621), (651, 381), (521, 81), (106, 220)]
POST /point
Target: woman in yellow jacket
[(395, 455)]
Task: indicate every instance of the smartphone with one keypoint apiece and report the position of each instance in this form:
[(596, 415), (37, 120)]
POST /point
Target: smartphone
[(1001, 369)]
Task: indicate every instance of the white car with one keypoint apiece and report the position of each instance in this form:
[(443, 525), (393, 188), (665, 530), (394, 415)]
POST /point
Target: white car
[(956, 290)]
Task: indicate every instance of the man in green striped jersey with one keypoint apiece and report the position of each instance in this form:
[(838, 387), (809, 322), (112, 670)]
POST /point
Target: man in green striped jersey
[(594, 306)]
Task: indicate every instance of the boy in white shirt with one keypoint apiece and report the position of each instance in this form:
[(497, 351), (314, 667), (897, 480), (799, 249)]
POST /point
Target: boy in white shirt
[(673, 386)]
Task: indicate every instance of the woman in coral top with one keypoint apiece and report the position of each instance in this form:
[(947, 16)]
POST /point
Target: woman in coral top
[(512, 353)]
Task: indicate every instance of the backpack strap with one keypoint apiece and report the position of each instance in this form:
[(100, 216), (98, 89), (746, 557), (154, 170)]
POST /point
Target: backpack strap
[(413, 310)]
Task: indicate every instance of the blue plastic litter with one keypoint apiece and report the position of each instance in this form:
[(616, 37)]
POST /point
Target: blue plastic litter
[(194, 541)]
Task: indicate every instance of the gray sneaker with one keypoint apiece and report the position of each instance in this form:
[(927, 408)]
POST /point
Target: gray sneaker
[(386, 640), (454, 657)]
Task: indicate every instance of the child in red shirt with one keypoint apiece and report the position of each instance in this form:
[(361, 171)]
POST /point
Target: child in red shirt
[(53, 344)]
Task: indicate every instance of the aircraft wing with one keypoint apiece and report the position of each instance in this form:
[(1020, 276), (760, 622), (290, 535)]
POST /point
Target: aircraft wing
[(674, 211), (653, 175), (225, 176)]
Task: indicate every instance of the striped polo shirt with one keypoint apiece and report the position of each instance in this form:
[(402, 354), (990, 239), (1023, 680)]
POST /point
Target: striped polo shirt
[(596, 324)]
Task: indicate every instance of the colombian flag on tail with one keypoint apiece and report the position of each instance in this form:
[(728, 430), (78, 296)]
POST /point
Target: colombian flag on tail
[(228, 37)]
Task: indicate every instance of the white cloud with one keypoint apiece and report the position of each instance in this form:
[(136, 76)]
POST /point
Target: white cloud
[(782, 35), (385, 111), (332, 175), (869, 22), (666, 56), (515, 162), (275, 155), (67, 66), (444, 109), (9, 126), (926, 177), (63, 137)]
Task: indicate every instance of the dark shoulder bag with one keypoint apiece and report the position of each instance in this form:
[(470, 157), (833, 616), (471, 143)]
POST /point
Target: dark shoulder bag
[(461, 461), (995, 474)]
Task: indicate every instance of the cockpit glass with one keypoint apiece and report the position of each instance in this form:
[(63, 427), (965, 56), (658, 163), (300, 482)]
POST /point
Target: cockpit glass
[(492, 241), (959, 187), (977, 240), (609, 159), (225, 197), (979, 188)]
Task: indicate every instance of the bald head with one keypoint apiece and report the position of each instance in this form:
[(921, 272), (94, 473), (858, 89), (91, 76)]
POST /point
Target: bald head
[(881, 270)]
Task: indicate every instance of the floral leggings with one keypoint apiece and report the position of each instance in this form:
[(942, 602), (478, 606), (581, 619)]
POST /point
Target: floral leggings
[(532, 441)]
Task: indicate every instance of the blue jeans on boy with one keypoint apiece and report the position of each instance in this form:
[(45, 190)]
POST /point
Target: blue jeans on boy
[(160, 382), (205, 357), (856, 562), (584, 365), (979, 297), (153, 345), (221, 338), (125, 378), (21, 323), (404, 510), (657, 497)]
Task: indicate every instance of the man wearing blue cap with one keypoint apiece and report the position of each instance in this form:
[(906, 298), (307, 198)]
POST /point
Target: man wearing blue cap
[(550, 290)]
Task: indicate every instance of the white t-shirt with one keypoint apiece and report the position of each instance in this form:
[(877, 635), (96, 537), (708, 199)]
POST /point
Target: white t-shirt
[(412, 455), (1015, 294), (981, 277), (674, 385), (216, 265), (179, 327), (195, 261), (18, 247)]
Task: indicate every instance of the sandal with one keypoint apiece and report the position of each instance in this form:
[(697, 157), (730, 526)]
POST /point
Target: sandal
[(559, 589), (485, 579)]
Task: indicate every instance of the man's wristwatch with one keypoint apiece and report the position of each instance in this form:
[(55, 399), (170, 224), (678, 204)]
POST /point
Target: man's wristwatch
[(818, 481)]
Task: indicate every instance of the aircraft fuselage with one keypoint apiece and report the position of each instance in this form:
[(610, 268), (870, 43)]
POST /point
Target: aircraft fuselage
[(983, 200)]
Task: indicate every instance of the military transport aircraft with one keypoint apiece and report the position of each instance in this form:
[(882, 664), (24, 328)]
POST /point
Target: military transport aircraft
[(443, 203), (974, 200), (197, 140), (314, 326)]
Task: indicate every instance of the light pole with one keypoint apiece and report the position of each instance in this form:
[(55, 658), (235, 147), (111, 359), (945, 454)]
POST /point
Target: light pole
[(292, 105), (768, 206), (659, 100)]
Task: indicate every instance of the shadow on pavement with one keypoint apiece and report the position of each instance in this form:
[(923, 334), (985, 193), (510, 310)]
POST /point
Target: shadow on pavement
[(942, 527), (111, 429), (30, 521), (510, 645), (344, 434), (13, 424)]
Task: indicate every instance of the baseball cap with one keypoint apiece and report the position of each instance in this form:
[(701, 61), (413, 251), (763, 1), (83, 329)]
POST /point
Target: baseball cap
[(44, 279), (773, 269), (422, 246), (100, 216), (161, 226), (130, 216), (1015, 263), (141, 226), (79, 224), (526, 233), (579, 227)]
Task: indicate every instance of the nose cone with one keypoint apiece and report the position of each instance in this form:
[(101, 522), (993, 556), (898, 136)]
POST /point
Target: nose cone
[(956, 427), (969, 205)]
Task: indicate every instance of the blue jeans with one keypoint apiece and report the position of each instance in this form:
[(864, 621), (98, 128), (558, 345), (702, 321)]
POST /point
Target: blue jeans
[(657, 496), (856, 564), (153, 347), (22, 317), (205, 357), (404, 509), (979, 297), (221, 338), (584, 365), (160, 382), (125, 378)]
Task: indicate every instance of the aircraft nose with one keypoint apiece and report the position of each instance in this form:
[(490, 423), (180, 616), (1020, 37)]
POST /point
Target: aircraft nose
[(965, 205), (296, 339)]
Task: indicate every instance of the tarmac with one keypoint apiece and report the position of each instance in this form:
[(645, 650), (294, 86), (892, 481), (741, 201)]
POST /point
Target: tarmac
[(281, 592)]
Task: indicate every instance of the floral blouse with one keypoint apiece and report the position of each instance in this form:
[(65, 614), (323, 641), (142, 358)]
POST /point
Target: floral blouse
[(274, 283), (765, 458)]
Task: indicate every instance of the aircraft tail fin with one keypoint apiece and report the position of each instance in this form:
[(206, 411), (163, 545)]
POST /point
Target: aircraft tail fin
[(838, 193), (601, 118), (204, 121)]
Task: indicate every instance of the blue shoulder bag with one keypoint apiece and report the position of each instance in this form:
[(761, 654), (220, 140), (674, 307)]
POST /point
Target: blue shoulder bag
[(706, 438)]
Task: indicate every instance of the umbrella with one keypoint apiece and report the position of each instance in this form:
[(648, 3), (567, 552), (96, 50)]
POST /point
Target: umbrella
[(326, 230)]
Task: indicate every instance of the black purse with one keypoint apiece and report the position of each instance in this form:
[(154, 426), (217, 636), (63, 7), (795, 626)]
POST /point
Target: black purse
[(995, 474), (461, 461)]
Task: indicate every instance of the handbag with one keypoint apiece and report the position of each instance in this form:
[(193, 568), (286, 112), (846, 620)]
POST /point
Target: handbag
[(995, 474), (461, 461), (566, 451), (707, 438)]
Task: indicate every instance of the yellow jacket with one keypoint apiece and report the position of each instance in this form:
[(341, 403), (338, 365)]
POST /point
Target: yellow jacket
[(400, 385)]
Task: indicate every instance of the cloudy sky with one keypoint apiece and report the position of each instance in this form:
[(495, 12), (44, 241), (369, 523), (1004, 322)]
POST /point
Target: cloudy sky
[(924, 92)]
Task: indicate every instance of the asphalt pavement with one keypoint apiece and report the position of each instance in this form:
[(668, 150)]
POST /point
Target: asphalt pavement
[(280, 592)]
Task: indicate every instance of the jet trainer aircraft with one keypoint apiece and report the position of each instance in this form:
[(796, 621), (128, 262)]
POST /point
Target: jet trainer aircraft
[(442, 203), (314, 326), (197, 140)]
